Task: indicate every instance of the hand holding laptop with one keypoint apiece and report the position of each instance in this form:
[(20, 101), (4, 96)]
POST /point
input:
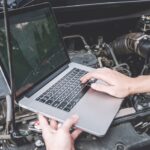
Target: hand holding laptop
[(59, 138), (118, 85)]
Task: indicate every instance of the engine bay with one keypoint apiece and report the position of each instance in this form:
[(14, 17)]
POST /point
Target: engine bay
[(104, 35)]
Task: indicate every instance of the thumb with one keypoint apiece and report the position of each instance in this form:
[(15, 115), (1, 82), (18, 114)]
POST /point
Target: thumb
[(70, 122), (101, 88)]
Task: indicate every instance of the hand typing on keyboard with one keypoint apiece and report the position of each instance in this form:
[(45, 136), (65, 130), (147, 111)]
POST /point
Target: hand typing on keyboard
[(110, 82)]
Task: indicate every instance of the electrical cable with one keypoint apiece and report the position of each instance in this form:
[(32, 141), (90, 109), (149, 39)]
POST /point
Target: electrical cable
[(9, 53), (87, 47), (112, 53), (28, 3)]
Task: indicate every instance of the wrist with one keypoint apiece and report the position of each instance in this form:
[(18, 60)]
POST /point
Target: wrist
[(132, 86)]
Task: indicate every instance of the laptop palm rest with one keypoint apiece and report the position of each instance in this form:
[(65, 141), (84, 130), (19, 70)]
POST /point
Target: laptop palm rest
[(96, 111), (100, 108)]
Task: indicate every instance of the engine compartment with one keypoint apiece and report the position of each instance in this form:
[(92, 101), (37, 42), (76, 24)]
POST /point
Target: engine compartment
[(119, 54), (99, 34)]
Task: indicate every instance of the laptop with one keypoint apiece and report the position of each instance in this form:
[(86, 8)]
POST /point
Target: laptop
[(45, 80), (4, 88)]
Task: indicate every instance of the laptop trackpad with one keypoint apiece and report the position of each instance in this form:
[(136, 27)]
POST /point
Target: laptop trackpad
[(96, 111)]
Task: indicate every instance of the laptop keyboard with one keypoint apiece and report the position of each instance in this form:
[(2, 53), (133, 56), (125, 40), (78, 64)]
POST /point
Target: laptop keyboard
[(67, 92)]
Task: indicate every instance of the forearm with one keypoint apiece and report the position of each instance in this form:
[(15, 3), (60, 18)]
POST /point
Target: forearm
[(140, 84)]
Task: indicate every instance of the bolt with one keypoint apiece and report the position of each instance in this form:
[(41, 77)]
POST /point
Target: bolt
[(120, 146)]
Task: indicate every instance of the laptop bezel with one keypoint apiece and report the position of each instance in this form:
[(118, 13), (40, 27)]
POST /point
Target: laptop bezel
[(57, 70)]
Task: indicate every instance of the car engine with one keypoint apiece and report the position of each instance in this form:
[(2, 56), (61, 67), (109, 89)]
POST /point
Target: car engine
[(114, 35)]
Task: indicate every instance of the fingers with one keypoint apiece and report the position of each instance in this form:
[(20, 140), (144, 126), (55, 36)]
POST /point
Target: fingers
[(88, 76), (70, 122), (109, 89), (59, 125), (43, 121), (44, 126), (53, 124), (76, 133), (103, 74), (102, 88)]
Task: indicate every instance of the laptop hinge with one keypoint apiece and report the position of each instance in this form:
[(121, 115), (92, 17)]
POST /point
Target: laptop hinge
[(42, 84)]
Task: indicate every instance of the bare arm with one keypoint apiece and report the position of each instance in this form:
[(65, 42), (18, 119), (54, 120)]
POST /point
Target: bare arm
[(141, 84)]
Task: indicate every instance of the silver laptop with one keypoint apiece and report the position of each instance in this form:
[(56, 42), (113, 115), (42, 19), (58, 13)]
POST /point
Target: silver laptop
[(4, 86), (45, 79)]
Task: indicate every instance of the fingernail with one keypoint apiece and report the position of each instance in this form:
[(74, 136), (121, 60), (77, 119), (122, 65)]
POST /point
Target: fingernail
[(81, 80), (39, 115), (76, 117), (93, 85), (59, 125)]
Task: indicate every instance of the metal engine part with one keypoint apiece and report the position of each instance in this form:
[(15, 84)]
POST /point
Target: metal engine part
[(144, 23), (116, 139), (138, 43), (98, 55), (83, 56), (141, 101)]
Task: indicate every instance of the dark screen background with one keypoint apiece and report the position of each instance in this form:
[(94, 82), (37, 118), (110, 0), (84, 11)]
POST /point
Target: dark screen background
[(37, 48)]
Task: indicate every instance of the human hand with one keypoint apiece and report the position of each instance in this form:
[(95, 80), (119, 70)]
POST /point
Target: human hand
[(58, 137), (118, 84)]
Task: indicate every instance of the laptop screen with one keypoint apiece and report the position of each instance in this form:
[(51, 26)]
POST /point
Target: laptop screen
[(38, 50)]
